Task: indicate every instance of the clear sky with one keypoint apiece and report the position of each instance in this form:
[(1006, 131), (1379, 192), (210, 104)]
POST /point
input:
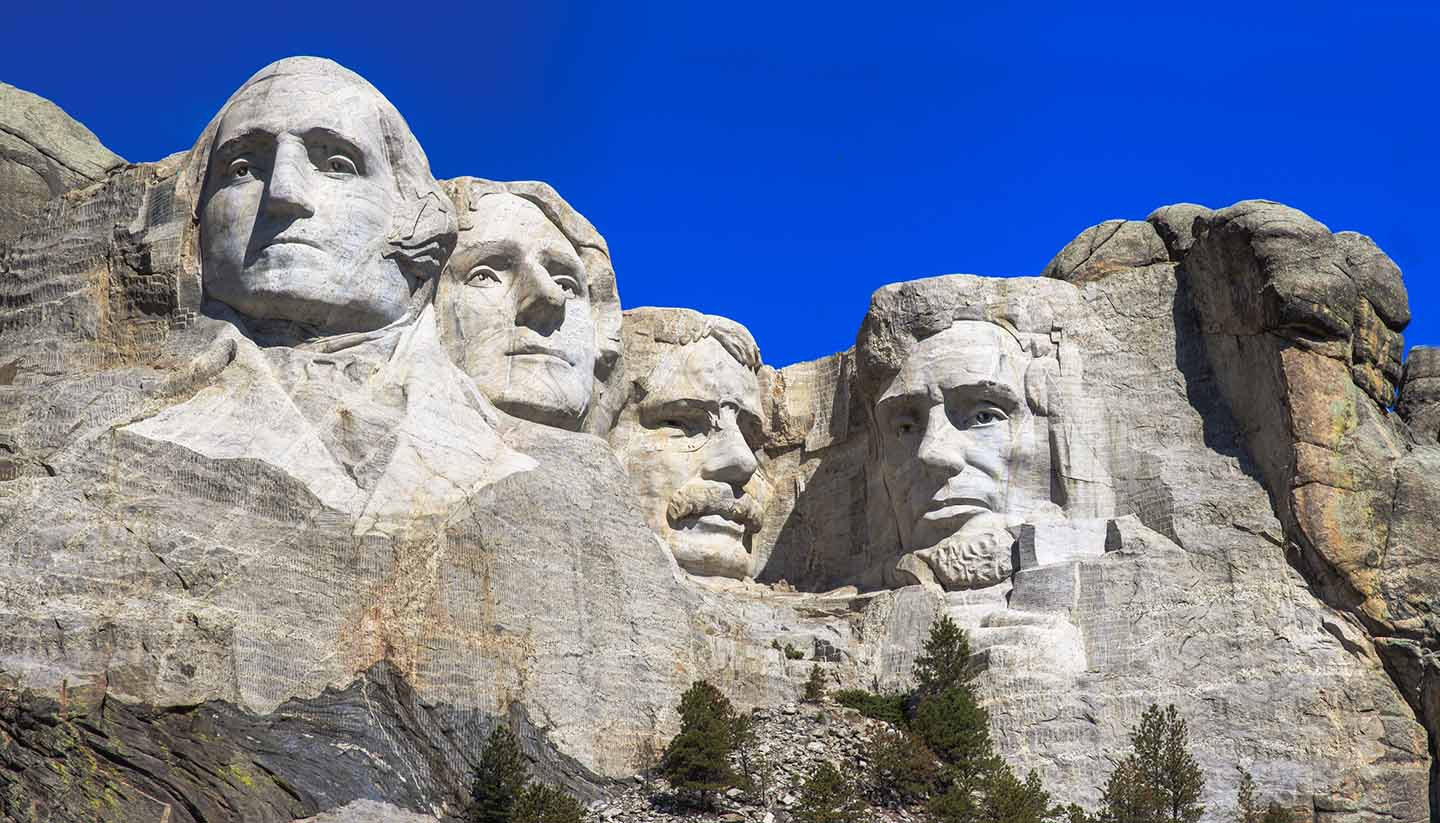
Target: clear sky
[(776, 162)]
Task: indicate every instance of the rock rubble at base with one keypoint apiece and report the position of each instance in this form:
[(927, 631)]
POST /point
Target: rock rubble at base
[(792, 740)]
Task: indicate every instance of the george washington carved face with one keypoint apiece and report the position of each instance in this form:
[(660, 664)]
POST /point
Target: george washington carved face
[(305, 212)]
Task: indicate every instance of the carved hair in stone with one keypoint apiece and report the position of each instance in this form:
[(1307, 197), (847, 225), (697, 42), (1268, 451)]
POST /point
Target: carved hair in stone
[(527, 305), (689, 432), (317, 213), (972, 421)]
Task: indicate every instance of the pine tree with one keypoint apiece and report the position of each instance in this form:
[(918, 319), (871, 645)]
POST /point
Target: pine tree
[(1007, 800), (499, 779), (954, 726), (698, 759), (815, 686), (945, 660), (902, 768), (826, 797), (1159, 781), (542, 804)]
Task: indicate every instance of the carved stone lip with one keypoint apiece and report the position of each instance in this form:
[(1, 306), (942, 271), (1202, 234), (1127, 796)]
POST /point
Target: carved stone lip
[(548, 351), (954, 507), (284, 240), (717, 521)]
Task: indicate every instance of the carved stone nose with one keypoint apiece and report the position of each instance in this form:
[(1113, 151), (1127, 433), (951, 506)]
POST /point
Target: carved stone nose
[(540, 300), (728, 457), (288, 190)]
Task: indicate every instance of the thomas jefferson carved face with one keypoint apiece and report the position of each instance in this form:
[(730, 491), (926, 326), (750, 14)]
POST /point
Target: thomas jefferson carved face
[(949, 423), (689, 446), (298, 202), (514, 310)]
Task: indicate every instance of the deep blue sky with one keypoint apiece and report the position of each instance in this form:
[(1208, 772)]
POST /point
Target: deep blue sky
[(776, 163)]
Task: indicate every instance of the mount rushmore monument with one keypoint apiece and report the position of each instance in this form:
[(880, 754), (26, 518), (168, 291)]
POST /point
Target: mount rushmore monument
[(314, 468)]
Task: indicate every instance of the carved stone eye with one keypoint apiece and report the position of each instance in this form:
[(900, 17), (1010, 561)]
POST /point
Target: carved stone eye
[(985, 417), (240, 168), (340, 164), (482, 276)]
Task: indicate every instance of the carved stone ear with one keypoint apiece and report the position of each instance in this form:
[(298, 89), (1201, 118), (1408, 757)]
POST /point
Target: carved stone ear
[(1042, 385)]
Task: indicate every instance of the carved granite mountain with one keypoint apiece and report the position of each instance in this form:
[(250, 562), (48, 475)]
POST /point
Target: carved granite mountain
[(300, 505)]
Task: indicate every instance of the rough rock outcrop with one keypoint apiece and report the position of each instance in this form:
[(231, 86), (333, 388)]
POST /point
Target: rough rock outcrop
[(43, 153), (279, 554)]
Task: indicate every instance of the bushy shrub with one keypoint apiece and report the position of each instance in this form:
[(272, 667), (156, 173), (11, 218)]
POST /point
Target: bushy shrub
[(902, 768), (827, 796), (1248, 805), (888, 708)]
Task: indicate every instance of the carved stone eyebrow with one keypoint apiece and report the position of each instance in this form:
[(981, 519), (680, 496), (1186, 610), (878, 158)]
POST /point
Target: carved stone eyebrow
[(991, 391), (238, 143), (501, 249)]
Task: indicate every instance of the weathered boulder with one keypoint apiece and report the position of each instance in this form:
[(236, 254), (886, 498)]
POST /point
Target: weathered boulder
[(1419, 403)]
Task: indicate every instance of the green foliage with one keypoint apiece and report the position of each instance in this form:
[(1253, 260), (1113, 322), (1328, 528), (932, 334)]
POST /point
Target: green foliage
[(827, 797), (792, 653), (945, 661), (887, 708), (753, 766), (902, 768), (1006, 799), (502, 792), (815, 686), (1159, 781), (956, 728), (698, 758), (499, 779), (1247, 805), (542, 804)]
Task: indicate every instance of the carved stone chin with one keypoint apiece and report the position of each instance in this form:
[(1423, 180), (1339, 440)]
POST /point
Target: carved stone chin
[(978, 555)]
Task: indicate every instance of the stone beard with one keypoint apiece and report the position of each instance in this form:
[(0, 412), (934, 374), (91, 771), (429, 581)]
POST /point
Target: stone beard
[(302, 190), (952, 426), (515, 313), (689, 444)]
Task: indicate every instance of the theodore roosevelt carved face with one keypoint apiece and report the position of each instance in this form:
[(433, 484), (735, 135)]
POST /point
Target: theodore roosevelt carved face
[(515, 312), (316, 198), (688, 439)]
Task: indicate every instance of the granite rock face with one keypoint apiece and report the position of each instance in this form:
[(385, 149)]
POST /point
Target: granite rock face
[(296, 516), (43, 153)]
